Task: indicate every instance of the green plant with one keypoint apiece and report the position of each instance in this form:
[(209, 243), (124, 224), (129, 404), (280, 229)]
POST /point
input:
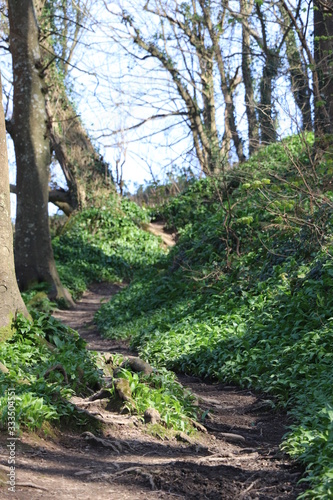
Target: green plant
[(162, 392), (42, 393)]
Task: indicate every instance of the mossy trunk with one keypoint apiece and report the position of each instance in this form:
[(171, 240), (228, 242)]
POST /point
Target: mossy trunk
[(34, 259), (84, 169), (323, 54), (10, 299)]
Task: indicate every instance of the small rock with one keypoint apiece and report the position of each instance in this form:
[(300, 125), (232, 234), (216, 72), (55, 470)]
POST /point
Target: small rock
[(123, 389), (151, 416)]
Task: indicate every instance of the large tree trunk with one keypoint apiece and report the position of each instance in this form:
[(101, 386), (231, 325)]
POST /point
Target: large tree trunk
[(323, 55), (10, 298), (34, 259), (86, 173)]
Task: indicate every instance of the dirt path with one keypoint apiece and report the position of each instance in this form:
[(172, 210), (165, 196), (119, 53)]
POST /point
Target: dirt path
[(238, 458), (158, 228)]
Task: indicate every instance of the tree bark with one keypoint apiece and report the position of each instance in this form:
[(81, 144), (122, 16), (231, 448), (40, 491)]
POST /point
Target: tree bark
[(34, 259), (10, 299), (84, 169), (252, 120), (298, 72), (323, 55)]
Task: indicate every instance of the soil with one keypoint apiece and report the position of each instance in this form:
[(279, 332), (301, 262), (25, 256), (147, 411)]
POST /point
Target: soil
[(238, 458), (168, 237)]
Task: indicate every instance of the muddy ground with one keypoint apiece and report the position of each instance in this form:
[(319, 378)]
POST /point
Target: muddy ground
[(238, 458)]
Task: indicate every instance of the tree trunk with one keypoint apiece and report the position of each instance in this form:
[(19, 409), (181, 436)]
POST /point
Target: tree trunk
[(269, 72), (227, 89), (252, 121), (323, 55), (85, 171), (266, 120), (298, 72), (10, 298), (34, 259)]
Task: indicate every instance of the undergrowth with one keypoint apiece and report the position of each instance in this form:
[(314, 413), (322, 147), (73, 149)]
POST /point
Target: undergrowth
[(161, 391), (47, 364), (104, 243)]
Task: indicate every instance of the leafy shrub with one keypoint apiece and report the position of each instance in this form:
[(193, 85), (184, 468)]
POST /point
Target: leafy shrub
[(36, 346)]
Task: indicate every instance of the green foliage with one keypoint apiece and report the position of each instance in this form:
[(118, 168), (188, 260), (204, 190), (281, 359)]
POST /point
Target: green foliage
[(245, 295), (162, 392), (36, 298), (104, 244), (36, 346)]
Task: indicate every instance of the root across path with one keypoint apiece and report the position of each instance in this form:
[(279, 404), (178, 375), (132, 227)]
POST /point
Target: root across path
[(237, 458)]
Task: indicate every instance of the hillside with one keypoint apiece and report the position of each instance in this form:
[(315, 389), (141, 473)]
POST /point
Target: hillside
[(242, 298)]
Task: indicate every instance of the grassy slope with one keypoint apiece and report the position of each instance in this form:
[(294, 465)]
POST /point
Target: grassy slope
[(245, 296)]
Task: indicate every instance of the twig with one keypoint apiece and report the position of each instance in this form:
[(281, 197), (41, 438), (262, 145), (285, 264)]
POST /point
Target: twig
[(31, 485), (227, 435), (243, 493)]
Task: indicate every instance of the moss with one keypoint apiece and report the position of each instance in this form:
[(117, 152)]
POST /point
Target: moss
[(6, 331)]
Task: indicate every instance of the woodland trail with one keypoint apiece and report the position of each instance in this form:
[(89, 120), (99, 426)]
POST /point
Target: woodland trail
[(158, 228), (238, 458)]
